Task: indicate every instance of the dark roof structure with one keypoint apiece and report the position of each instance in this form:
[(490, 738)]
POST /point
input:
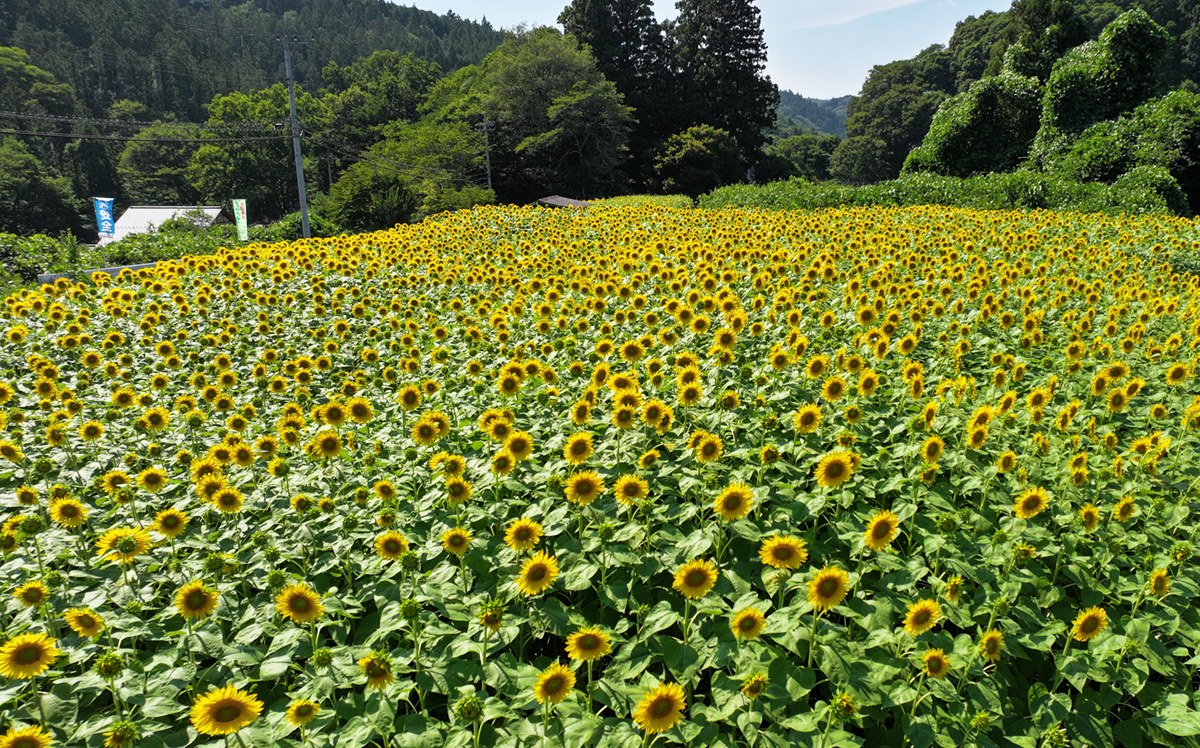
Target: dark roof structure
[(558, 201)]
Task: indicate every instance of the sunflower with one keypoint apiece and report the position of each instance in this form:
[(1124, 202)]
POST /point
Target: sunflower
[(881, 530), (1177, 374), (68, 512), (1031, 502), (456, 540), (690, 394), (27, 737), (734, 502), (84, 621), (835, 468), (1089, 624), (783, 552), (807, 419), (648, 458), (458, 491), (922, 616), (523, 534), (111, 544), (224, 711), (587, 644), (833, 389), (937, 663), (748, 623), (1089, 515), (32, 593), (300, 713), (300, 603), (503, 462), (578, 448), (991, 645), (583, 488), (228, 499), (391, 545), (1125, 509), (554, 684), (754, 686), (327, 444), (194, 601), (537, 573), (1160, 583), (932, 449), (695, 578), (26, 655), (1006, 462), (828, 587), (377, 666), (630, 489), (520, 445), (709, 449), (170, 523), (660, 708)]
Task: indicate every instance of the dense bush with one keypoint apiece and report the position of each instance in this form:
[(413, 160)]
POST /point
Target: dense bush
[(1146, 191)]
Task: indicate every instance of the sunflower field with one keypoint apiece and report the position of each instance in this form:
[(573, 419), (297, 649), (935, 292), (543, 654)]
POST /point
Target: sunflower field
[(637, 475)]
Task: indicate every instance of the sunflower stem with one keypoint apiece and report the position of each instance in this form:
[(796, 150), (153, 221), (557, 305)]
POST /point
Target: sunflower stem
[(812, 636), (1066, 646), (917, 695), (37, 696)]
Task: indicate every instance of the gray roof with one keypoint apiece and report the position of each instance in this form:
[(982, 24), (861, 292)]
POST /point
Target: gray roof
[(558, 201)]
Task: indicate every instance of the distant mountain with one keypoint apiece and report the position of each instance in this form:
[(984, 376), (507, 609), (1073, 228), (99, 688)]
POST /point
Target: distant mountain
[(826, 116), (173, 56)]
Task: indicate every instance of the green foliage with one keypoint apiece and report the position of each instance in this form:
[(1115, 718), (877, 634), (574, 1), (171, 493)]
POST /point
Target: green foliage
[(1147, 191), (1168, 135), (34, 199), (559, 126), (262, 172), (176, 57), (1098, 81), (662, 201), (892, 114), (698, 160), (826, 116), (810, 154), (988, 128), (420, 169), (972, 44), (374, 91), (1045, 29), (157, 173), (721, 55), (1102, 153)]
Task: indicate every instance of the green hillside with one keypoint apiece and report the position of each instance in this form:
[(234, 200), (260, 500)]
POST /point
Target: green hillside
[(173, 56)]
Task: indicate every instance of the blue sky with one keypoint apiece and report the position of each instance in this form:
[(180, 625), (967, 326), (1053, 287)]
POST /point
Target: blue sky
[(817, 48)]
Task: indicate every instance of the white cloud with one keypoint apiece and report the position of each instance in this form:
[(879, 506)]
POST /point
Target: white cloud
[(781, 15)]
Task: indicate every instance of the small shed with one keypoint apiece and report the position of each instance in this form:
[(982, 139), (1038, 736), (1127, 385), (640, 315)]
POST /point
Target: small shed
[(558, 201), (143, 219)]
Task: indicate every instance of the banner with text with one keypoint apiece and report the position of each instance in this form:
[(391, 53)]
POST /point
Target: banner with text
[(104, 216), (239, 212)]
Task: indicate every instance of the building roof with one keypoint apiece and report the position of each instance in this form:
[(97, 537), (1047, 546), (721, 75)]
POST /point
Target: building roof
[(558, 201), (143, 219)]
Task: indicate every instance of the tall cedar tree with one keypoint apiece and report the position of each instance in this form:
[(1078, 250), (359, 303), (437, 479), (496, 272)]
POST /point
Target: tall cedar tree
[(631, 50), (721, 55)]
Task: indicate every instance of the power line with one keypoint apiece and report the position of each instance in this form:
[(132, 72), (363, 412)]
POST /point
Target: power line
[(135, 139), (138, 124)]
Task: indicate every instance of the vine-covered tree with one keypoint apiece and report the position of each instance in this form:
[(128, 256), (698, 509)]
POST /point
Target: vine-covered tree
[(721, 56)]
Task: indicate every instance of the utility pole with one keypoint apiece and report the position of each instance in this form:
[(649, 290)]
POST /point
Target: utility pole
[(487, 151), (287, 62)]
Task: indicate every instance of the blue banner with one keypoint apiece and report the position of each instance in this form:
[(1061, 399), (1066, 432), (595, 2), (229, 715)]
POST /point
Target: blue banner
[(104, 215)]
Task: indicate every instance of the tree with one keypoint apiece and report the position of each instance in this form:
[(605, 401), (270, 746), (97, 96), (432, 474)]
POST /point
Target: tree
[(631, 50), (370, 198), (262, 172), (157, 173), (809, 154), (553, 115), (988, 128), (1046, 28), (721, 55), (892, 114), (698, 160), (376, 90), (32, 198), (1100, 80), (973, 43)]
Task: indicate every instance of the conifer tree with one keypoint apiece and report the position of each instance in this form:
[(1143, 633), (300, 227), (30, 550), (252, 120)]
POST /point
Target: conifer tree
[(721, 55)]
